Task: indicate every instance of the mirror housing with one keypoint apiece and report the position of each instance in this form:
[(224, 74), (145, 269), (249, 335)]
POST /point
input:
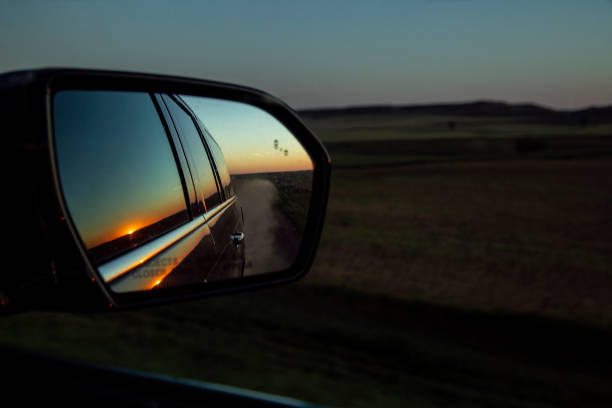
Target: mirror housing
[(48, 266)]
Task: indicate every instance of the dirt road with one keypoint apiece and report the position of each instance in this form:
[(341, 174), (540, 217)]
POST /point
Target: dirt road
[(271, 241)]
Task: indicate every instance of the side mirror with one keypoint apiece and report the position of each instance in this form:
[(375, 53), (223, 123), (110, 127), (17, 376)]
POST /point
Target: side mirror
[(145, 189)]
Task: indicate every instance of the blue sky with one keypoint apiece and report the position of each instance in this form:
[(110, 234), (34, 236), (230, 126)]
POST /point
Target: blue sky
[(332, 53)]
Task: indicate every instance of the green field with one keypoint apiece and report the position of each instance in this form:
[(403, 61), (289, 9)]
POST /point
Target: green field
[(464, 276)]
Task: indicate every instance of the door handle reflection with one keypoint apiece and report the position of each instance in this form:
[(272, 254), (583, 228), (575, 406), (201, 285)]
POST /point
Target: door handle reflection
[(237, 238)]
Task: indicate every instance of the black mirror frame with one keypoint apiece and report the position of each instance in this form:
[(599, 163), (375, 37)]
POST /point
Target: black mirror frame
[(28, 95)]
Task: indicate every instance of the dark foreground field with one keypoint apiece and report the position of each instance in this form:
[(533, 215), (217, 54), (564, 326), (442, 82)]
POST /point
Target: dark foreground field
[(442, 279)]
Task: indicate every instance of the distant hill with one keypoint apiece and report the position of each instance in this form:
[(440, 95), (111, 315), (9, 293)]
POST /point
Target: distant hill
[(477, 108)]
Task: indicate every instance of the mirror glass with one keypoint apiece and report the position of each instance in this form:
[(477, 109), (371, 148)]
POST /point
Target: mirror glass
[(166, 191)]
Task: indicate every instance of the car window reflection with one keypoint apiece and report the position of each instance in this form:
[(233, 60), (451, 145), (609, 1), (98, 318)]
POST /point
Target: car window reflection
[(118, 175), (224, 175), (201, 170)]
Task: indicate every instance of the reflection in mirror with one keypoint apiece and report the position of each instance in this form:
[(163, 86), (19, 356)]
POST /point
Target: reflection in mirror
[(271, 174), (167, 191), (114, 156)]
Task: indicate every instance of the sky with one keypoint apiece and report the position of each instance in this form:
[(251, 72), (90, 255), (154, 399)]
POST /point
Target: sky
[(334, 53), (252, 141)]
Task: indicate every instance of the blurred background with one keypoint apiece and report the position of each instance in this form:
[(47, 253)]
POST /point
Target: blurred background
[(467, 254)]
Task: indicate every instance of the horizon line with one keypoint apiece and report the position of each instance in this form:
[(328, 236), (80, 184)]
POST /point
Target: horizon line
[(456, 103)]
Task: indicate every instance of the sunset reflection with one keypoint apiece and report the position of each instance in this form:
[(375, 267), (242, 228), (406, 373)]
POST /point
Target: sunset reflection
[(125, 195), (120, 182), (151, 272)]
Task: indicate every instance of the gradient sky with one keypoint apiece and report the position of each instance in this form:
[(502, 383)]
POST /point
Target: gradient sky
[(331, 53), (247, 135)]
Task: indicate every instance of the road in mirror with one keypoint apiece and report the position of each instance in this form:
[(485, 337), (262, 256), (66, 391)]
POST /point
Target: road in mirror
[(170, 191), (271, 174)]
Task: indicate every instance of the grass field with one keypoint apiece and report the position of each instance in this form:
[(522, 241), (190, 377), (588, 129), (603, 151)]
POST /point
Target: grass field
[(443, 278), (517, 236), (367, 127)]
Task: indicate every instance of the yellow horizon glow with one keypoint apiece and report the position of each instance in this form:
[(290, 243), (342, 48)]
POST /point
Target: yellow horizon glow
[(124, 228), (266, 164)]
